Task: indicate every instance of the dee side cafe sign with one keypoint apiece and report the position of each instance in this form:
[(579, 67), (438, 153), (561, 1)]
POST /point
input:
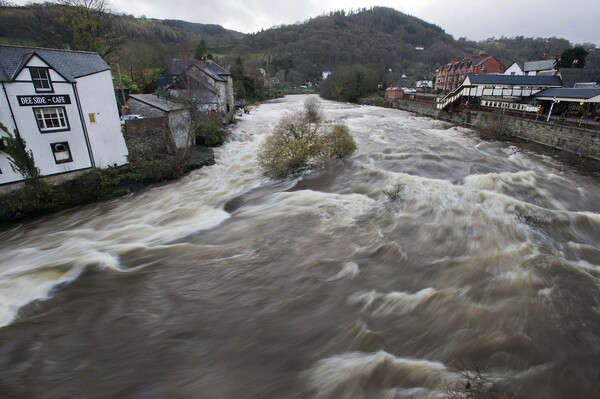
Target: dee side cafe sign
[(51, 99)]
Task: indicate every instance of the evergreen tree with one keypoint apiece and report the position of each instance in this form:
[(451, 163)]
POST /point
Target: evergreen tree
[(573, 58), (200, 50)]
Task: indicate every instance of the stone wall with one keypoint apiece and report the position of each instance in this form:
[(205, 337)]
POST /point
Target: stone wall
[(180, 124), (147, 137), (580, 141), (138, 107)]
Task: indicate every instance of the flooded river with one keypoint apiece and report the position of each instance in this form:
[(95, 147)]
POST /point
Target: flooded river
[(228, 285)]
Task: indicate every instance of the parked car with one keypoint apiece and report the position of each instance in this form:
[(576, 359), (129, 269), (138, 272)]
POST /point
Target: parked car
[(130, 118)]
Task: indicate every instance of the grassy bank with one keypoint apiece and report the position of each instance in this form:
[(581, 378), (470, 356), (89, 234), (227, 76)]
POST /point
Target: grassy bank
[(37, 198)]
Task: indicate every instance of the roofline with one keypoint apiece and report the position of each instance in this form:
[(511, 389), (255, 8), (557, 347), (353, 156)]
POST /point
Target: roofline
[(207, 71), (210, 88), (93, 73), (567, 99), (522, 77), (28, 58), (49, 49), (135, 96)]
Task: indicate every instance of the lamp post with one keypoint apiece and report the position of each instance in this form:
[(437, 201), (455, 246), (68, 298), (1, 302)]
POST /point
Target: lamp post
[(554, 101)]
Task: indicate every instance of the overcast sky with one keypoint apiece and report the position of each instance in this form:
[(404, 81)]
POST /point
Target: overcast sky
[(575, 20)]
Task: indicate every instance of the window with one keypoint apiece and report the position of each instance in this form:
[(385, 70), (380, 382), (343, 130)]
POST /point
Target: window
[(62, 152), (41, 79), (51, 119)]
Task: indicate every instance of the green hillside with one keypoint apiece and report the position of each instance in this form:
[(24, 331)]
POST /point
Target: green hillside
[(393, 47)]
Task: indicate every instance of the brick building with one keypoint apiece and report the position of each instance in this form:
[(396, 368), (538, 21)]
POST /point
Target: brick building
[(450, 76), (393, 93)]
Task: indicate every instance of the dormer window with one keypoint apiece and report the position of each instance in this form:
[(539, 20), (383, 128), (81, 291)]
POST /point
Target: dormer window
[(41, 80)]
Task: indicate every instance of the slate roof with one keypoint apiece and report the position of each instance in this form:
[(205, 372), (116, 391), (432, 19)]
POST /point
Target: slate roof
[(69, 64), (177, 67), (569, 93), (216, 68), (570, 76), (482, 61), (159, 103), (514, 80), (467, 62), (520, 64), (182, 83), (540, 65)]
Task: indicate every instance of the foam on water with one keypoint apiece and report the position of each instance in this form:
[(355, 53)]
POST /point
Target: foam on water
[(485, 253), (348, 270), (361, 375), (397, 303)]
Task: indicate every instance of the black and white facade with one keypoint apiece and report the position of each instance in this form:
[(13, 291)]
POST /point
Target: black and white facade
[(62, 104)]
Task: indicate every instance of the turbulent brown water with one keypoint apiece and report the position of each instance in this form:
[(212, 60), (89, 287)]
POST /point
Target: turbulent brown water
[(228, 285)]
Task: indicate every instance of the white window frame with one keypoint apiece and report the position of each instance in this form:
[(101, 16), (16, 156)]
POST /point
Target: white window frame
[(40, 82), (51, 119)]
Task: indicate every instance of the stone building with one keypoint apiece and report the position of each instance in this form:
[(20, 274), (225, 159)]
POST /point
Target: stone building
[(178, 116), (202, 82)]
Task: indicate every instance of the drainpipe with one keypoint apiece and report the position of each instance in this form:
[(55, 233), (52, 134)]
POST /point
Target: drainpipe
[(121, 84), (84, 126)]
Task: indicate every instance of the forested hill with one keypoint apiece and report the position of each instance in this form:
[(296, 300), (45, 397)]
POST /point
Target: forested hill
[(39, 24), (380, 38), (398, 48)]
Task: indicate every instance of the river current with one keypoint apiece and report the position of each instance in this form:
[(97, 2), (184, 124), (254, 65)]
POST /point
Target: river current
[(225, 284)]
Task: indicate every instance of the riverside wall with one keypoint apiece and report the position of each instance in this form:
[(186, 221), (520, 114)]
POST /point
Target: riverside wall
[(147, 138), (575, 140)]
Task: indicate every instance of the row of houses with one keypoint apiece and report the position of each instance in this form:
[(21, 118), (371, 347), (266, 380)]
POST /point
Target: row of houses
[(450, 76), (533, 86), (566, 91), (62, 105)]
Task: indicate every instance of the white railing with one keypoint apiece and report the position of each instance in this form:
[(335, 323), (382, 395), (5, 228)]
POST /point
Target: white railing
[(449, 99)]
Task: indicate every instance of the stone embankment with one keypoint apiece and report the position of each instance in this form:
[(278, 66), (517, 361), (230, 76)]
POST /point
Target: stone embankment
[(573, 140)]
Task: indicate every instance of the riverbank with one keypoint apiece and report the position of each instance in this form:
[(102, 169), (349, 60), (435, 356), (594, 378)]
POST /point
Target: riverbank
[(39, 197)]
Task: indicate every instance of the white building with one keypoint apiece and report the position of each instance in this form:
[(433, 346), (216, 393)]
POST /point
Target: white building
[(533, 68), (62, 104), (516, 68)]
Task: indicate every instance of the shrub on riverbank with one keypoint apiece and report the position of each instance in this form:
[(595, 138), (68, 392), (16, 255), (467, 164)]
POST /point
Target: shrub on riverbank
[(301, 141), (208, 131), (98, 184)]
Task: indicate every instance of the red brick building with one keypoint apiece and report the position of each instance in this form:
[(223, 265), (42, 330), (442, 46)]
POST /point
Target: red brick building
[(393, 93), (450, 76)]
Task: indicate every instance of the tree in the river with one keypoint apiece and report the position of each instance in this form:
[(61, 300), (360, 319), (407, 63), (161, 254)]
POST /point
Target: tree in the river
[(302, 141)]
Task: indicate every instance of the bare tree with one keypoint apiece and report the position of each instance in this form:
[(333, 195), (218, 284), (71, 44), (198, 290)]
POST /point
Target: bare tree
[(90, 26)]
